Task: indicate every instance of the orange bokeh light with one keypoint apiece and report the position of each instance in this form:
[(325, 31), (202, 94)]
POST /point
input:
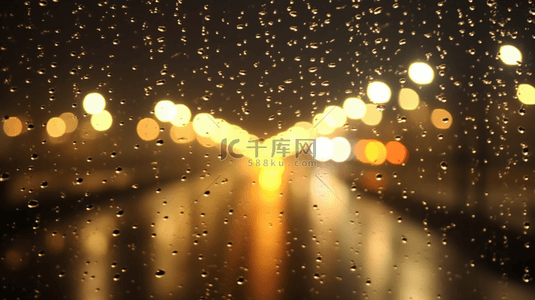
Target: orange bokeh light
[(397, 153), (12, 126), (375, 152), (360, 148)]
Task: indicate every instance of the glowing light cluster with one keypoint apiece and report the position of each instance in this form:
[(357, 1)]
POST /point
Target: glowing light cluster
[(210, 131), (182, 130), (58, 126), (94, 104), (374, 152), (337, 149), (167, 111)]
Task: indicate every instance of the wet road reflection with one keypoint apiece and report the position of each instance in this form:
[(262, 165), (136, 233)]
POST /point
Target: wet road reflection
[(228, 234)]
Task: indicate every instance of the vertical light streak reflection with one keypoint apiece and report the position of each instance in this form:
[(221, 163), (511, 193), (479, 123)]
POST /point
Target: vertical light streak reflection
[(327, 202), (258, 239), (418, 278), (378, 248), (237, 245), (168, 234), (95, 247), (170, 213), (266, 251)]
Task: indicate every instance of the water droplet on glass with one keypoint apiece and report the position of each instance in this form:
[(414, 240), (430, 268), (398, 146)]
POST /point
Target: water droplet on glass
[(4, 177), (160, 273), (33, 203)]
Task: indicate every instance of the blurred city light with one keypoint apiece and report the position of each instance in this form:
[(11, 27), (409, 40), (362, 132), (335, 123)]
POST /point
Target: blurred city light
[(510, 55), (378, 92), (421, 73), (94, 103), (408, 99)]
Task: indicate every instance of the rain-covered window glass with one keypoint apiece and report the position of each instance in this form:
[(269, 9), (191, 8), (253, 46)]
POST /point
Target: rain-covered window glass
[(293, 149)]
